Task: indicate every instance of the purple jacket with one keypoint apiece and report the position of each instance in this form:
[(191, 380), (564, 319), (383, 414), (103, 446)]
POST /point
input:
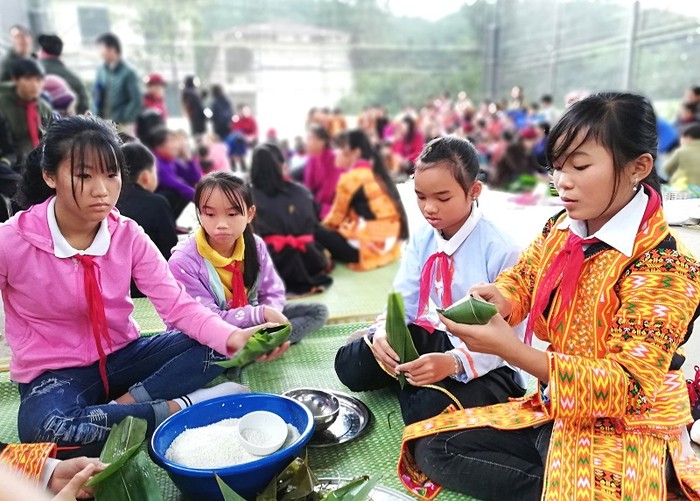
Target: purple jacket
[(201, 281), (321, 178), (178, 175)]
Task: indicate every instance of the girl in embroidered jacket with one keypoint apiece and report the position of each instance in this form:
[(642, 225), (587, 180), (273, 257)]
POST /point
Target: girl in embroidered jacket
[(614, 295), (66, 264), (367, 222), (456, 249), (228, 268)]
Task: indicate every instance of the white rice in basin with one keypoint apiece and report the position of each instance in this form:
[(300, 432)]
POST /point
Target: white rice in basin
[(215, 446)]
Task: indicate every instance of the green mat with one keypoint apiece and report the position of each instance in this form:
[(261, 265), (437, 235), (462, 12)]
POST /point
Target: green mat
[(308, 364), (354, 297)]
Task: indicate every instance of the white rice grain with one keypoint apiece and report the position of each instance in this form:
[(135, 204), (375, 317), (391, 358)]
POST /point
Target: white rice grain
[(214, 446)]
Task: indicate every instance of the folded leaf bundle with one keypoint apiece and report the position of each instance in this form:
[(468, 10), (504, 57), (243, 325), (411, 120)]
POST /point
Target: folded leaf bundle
[(470, 310), (397, 334), (262, 342), (129, 474)]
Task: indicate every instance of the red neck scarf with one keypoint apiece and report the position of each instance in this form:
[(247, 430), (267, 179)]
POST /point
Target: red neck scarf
[(441, 264), (96, 312), (567, 267), (31, 111), (238, 295)]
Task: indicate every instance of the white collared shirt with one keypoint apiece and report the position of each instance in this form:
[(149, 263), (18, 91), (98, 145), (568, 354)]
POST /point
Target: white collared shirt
[(620, 232), (62, 249), (450, 246)]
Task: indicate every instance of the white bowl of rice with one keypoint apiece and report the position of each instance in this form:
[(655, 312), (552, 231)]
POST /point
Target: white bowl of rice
[(262, 432)]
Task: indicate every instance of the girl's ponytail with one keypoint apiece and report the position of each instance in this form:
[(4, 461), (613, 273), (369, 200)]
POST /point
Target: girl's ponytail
[(32, 188)]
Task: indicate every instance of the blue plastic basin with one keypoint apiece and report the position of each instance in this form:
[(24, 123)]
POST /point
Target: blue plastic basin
[(246, 479)]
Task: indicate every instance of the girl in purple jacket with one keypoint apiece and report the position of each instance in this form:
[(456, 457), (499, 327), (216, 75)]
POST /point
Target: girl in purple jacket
[(66, 265), (228, 269)]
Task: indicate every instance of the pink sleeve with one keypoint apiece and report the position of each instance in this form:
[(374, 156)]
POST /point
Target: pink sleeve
[(153, 277)]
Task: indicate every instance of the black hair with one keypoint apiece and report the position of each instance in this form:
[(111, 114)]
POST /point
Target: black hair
[(266, 169), (26, 67), (546, 98), (239, 195), (321, 133), (622, 123), (51, 44), (692, 131), (457, 154), (411, 125), (188, 82), (138, 158), (217, 90), (111, 41), (157, 137), (357, 139), (695, 90), (70, 138)]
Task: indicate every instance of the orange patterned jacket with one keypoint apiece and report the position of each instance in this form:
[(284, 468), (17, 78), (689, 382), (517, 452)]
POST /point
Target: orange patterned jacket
[(28, 458), (378, 238), (619, 411)]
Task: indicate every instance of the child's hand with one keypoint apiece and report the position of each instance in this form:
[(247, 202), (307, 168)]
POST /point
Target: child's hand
[(274, 316), (70, 476), (382, 351), (240, 337), (276, 353), (490, 293), (494, 338), (428, 369)]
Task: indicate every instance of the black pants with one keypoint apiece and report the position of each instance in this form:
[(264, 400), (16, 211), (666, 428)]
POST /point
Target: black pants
[(336, 244), (177, 201), (358, 370), (486, 463)]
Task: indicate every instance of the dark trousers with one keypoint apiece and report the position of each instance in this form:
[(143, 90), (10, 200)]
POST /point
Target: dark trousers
[(336, 244), (486, 463), (358, 370)]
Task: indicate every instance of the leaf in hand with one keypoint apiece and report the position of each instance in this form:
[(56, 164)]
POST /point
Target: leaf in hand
[(471, 311), (397, 334), (132, 477), (261, 343)]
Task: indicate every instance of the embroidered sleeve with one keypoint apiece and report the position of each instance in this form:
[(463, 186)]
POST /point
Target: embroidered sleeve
[(347, 186), (517, 283), (658, 295), (28, 458)]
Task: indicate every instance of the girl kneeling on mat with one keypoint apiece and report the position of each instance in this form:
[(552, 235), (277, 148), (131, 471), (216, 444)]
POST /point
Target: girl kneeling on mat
[(367, 222), (66, 265), (614, 295), (455, 250), (229, 270)]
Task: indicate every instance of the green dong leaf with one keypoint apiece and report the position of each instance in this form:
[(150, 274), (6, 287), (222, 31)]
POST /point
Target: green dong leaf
[(262, 342)]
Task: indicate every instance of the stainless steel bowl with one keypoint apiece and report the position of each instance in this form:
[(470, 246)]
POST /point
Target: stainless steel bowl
[(323, 405)]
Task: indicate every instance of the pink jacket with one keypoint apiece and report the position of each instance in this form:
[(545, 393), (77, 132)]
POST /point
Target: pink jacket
[(46, 314), (321, 178)]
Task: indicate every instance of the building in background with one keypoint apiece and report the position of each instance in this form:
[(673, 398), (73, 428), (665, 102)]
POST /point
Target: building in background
[(281, 69)]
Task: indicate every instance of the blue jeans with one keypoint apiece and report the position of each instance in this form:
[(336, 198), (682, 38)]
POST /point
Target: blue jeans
[(69, 406)]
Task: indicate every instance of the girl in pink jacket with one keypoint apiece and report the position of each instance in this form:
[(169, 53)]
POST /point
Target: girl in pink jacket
[(65, 268)]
